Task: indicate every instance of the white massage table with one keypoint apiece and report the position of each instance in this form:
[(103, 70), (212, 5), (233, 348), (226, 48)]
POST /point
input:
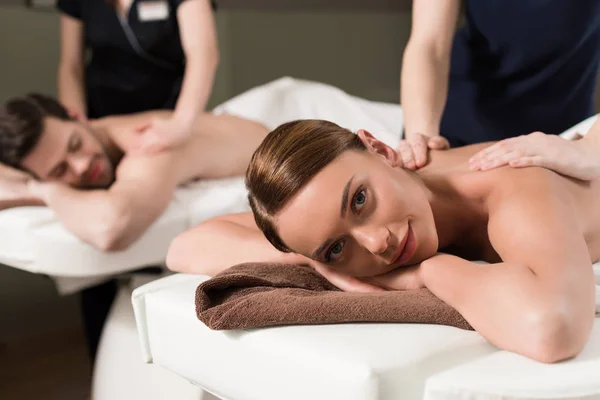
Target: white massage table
[(32, 238), (347, 361)]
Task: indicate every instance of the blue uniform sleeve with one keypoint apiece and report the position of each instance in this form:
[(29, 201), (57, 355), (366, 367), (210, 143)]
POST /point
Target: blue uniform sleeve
[(70, 7)]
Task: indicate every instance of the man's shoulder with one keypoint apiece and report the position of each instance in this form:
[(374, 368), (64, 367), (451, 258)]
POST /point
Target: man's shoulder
[(149, 169)]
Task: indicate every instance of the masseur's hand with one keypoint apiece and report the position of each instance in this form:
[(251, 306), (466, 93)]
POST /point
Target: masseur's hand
[(415, 147), (160, 134), (573, 158)]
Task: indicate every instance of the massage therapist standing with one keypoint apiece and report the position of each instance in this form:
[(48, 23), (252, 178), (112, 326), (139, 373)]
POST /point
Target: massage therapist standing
[(514, 67), (127, 56)]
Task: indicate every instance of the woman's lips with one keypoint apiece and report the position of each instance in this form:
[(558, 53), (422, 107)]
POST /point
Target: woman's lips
[(407, 247), (95, 171)]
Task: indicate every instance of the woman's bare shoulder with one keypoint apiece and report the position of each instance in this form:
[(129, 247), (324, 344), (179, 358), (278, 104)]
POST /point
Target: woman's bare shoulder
[(453, 158)]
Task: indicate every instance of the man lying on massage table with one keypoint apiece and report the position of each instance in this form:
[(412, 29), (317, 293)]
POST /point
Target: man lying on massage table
[(86, 171), (340, 204)]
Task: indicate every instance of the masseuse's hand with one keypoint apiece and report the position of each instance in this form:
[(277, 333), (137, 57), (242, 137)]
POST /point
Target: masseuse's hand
[(415, 147), (76, 113), (160, 134), (573, 158)]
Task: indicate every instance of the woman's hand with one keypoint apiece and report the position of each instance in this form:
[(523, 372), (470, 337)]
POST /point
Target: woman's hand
[(404, 278), (345, 282), (160, 134), (574, 158), (414, 149)]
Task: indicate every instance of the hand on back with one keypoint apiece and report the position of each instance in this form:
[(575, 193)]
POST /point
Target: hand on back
[(159, 135), (574, 158), (414, 149)]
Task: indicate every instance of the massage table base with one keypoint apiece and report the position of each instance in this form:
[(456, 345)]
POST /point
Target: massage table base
[(118, 372)]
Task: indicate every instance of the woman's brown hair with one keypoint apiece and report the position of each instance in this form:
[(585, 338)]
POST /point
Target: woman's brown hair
[(287, 159)]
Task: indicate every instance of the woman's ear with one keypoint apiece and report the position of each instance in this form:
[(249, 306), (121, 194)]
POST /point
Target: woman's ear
[(376, 146)]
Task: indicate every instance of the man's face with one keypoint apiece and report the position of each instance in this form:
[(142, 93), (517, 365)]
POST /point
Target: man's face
[(68, 152)]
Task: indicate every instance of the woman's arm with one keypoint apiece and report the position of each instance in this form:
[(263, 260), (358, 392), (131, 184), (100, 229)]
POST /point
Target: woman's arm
[(539, 302), (71, 83), (424, 74), (222, 242), (199, 41)]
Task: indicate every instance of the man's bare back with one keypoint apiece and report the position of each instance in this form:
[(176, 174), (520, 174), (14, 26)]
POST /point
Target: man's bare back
[(219, 146)]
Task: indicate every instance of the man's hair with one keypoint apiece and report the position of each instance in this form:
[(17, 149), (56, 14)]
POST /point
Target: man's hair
[(22, 123), (286, 160)]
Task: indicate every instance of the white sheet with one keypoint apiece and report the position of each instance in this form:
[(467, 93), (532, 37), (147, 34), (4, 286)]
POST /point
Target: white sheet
[(32, 238)]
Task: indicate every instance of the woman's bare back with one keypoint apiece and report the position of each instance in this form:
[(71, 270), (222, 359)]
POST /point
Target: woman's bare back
[(478, 186)]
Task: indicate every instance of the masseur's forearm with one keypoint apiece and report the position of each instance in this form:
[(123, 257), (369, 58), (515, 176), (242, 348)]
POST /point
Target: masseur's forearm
[(218, 244), (509, 305), (197, 85), (93, 216), (424, 88), (71, 88)]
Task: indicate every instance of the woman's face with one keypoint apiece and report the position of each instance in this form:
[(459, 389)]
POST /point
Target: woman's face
[(361, 215)]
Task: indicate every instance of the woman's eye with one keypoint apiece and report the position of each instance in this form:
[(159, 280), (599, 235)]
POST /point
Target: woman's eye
[(76, 146), (60, 171), (359, 200), (334, 252)]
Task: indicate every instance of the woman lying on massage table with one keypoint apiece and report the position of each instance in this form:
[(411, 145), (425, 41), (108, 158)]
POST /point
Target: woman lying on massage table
[(337, 201)]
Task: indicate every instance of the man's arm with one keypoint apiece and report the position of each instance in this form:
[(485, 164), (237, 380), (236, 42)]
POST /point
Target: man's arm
[(539, 302), (113, 219), (13, 189)]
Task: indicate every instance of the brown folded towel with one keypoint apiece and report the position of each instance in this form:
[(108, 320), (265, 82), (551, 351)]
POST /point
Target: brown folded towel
[(256, 295)]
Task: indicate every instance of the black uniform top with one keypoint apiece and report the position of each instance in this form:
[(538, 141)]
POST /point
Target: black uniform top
[(135, 64), (520, 66)]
